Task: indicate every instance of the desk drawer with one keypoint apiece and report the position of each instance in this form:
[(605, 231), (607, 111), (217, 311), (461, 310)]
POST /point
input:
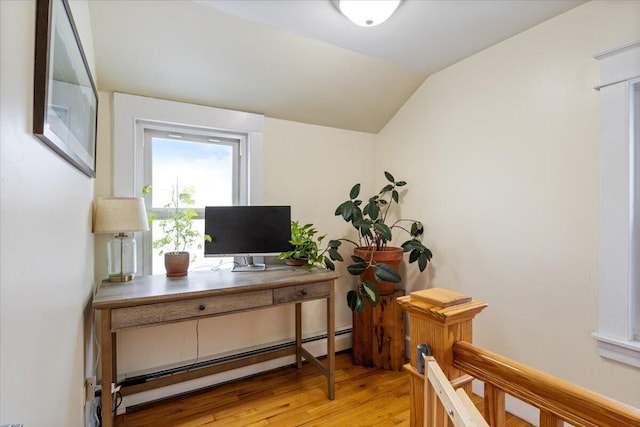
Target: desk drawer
[(301, 292), (151, 314)]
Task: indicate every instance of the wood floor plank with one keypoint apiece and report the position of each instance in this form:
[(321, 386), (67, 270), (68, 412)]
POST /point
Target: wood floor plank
[(292, 397)]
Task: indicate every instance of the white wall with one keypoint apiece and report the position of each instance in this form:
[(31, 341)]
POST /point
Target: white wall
[(313, 168), (46, 247), (501, 155)]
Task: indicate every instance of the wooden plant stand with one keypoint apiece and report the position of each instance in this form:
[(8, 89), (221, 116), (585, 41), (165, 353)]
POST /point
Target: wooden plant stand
[(378, 334)]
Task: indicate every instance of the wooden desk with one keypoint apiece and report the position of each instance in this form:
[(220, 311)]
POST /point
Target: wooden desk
[(157, 299)]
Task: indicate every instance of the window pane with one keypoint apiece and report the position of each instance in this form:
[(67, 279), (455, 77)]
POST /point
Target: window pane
[(207, 167)]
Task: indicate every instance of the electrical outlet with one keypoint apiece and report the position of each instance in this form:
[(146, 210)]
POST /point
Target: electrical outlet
[(90, 389)]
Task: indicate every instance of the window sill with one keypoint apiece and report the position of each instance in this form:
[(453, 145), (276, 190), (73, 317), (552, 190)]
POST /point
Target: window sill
[(623, 351)]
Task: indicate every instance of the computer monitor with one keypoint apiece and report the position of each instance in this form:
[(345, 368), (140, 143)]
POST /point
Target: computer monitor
[(247, 231)]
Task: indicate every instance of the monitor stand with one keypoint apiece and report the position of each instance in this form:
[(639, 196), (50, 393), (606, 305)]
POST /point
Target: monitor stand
[(249, 265)]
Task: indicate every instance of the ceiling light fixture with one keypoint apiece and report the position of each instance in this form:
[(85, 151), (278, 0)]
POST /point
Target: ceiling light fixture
[(368, 13)]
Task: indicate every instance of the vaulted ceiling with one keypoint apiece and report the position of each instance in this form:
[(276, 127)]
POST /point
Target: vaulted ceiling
[(295, 60)]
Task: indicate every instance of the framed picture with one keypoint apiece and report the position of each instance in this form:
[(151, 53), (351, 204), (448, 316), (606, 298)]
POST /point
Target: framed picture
[(65, 100)]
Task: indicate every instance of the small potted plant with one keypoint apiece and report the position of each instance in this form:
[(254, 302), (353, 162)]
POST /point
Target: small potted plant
[(374, 260), (178, 234), (305, 247)]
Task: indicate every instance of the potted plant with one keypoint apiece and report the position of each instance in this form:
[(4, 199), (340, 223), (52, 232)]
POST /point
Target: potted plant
[(178, 233), (305, 247), (374, 260)]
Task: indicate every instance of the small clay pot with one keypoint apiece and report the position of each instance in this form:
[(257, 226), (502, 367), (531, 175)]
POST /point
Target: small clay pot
[(176, 264), (296, 262)]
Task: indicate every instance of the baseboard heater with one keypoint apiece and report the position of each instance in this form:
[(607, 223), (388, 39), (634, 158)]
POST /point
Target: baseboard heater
[(138, 383)]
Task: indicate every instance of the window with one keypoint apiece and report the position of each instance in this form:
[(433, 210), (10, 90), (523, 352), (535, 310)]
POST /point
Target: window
[(147, 131), (619, 312), (207, 161)]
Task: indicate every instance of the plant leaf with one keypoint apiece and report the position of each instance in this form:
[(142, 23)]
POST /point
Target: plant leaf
[(422, 261), (401, 183), (354, 301), (355, 190), (395, 196), (371, 291), (417, 229), (374, 211), (334, 243), (340, 209), (412, 244), (351, 211), (413, 257), (385, 273), (382, 230), (357, 268), (386, 188), (330, 265), (389, 176), (335, 255), (356, 258), (362, 223)]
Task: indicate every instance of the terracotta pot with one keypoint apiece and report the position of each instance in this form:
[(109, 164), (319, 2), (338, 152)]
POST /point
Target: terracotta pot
[(176, 264), (390, 255), (296, 262)]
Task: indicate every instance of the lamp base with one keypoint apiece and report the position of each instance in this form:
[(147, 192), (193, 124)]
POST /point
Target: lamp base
[(121, 258), (119, 278)]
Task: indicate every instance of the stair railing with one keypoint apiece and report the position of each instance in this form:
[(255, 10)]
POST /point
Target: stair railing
[(557, 400), (443, 319)]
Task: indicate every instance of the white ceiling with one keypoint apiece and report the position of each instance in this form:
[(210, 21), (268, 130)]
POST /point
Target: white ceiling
[(296, 60)]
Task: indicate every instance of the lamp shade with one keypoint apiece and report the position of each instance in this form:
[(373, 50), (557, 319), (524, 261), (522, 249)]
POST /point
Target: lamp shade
[(368, 13), (120, 215)]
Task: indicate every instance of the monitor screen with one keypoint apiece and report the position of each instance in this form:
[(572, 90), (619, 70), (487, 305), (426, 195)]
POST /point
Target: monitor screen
[(247, 230)]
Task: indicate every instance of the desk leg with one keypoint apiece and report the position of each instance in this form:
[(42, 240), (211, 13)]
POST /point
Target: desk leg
[(299, 335), (114, 357), (106, 344), (331, 343)]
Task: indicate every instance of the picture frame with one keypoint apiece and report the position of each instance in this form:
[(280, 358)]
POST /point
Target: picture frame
[(65, 99)]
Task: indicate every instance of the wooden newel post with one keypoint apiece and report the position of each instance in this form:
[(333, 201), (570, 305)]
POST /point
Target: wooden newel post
[(440, 318)]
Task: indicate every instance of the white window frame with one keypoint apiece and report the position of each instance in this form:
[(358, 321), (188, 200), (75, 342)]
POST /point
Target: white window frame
[(131, 114), (619, 230)]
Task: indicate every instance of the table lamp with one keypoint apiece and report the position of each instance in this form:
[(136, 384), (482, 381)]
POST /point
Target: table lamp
[(118, 216)]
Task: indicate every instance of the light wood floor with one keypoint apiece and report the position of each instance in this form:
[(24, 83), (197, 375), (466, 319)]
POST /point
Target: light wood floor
[(290, 397)]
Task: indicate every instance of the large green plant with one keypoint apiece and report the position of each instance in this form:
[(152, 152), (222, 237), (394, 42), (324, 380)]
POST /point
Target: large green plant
[(177, 228), (305, 245), (374, 234)]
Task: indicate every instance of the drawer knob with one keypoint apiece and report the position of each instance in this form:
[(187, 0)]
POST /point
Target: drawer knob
[(303, 292), (202, 307)]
